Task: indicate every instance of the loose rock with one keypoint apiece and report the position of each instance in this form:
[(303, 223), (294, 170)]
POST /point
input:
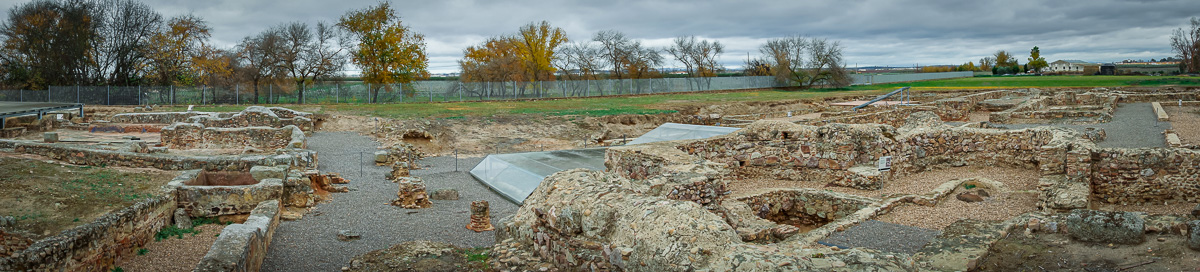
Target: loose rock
[(1106, 227), (444, 194), (346, 235)]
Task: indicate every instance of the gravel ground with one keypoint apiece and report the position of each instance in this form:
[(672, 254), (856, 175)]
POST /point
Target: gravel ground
[(1133, 125), (1186, 121), (883, 236), (175, 254), (311, 244), (998, 207)]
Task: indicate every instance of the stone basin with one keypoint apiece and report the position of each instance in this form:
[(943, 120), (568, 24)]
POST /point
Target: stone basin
[(205, 193), (806, 209)]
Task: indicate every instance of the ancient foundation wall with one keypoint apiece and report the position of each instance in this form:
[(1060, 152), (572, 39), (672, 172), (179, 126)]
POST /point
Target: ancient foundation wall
[(971, 146), (957, 108), (95, 157), (97, 246), (156, 117), (1145, 175), (216, 200), (256, 116), (242, 247), (192, 135)]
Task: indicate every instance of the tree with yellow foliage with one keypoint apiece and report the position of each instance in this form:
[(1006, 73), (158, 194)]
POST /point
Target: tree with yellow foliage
[(178, 53), (387, 51), (527, 56)]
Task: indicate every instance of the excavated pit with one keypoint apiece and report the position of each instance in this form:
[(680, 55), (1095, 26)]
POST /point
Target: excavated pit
[(222, 178), (805, 209)]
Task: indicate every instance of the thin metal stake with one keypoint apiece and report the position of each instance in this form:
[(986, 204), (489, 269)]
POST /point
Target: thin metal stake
[(360, 164), (455, 159)]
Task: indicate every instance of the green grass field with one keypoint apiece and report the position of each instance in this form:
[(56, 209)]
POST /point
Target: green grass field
[(650, 104)]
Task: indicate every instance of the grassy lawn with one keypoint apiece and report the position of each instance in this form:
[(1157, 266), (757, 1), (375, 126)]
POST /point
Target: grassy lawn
[(650, 104), (1036, 82)]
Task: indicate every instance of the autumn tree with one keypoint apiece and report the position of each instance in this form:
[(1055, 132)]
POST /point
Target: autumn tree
[(1036, 61), (1186, 44), (386, 51), (987, 63), (176, 52), (527, 56), (699, 58), (49, 43), (969, 66), (757, 67), (804, 62), (535, 44), (1006, 63)]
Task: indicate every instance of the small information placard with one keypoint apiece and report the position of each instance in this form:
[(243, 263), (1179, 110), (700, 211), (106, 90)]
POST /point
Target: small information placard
[(885, 163)]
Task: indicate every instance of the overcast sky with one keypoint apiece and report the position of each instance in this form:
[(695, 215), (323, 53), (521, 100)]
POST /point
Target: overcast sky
[(873, 32)]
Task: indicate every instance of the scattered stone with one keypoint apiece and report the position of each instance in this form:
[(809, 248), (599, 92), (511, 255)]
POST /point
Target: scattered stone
[(983, 193), (1194, 234), (411, 194), (326, 181), (481, 219), (50, 137), (1196, 212), (7, 221), (969, 197), (1147, 172), (444, 194), (1050, 227), (381, 157), (1106, 227), (346, 235), (182, 219), (1034, 224)]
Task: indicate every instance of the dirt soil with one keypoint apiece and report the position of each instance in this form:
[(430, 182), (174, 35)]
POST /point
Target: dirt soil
[(174, 253), (1186, 123), (1056, 252), (47, 197), (421, 256)]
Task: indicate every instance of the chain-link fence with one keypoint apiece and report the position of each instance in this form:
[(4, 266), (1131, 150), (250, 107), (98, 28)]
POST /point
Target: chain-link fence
[(421, 91)]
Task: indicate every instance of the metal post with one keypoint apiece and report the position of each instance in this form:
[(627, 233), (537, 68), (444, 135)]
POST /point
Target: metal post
[(76, 93), (172, 95), (139, 94), (237, 94), (108, 95), (21, 95), (456, 159), (337, 93), (270, 92)]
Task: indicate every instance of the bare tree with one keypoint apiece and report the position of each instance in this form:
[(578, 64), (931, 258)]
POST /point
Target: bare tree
[(260, 61), (577, 61), (49, 43), (800, 61), (125, 27), (699, 58), (307, 56), (1186, 44), (613, 45)]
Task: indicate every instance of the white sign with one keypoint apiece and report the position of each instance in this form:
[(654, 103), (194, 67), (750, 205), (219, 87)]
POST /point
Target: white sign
[(885, 163), (190, 107)]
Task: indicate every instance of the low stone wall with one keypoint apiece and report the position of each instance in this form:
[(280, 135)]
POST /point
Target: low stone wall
[(192, 135), (156, 117), (804, 206), (95, 157), (216, 200), (1158, 97), (1089, 108), (957, 108), (257, 116), (100, 245), (242, 247)]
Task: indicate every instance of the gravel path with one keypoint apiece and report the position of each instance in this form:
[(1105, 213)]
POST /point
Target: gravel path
[(311, 244), (1133, 125), (1186, 121), (883, 236)]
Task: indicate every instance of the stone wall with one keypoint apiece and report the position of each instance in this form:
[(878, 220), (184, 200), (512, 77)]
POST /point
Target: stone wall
[(156, 117), (96, 157), (97, 246), (211, 201), (1145, 175), (804, 206), (957, 108), (257, 116), (192, 135), (242, 247)]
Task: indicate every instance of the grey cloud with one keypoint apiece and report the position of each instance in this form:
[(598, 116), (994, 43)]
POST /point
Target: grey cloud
[(873, 32)]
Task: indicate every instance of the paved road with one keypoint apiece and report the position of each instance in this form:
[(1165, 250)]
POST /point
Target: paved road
[(311, 244)]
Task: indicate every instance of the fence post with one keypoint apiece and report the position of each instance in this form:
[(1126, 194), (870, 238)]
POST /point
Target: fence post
[(108, 96), (76, 93), (237, 94), (337, 93), (21, 94), (172, 95), (139, 94)]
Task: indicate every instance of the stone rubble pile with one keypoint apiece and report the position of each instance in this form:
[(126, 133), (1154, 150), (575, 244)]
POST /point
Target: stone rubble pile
[(481, 218), (411, 193)]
